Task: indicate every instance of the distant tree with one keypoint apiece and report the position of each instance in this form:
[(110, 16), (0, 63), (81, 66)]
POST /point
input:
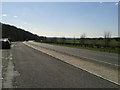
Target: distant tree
[(42, 38), (107, 38), (74, 40), (83, 39), (63, 39), (54, 39)]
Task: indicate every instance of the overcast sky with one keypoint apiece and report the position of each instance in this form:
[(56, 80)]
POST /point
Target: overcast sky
[(63, 19)]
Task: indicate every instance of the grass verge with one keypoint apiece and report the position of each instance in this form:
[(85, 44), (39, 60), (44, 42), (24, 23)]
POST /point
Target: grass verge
[(89, 48)]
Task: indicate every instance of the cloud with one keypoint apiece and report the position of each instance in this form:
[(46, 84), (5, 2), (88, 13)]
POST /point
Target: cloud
[(3, 15), (25, 23), (15, 16), (116, 3)]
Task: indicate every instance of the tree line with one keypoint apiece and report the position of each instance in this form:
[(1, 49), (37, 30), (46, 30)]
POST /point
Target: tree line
[(17, 34), (83, 41)]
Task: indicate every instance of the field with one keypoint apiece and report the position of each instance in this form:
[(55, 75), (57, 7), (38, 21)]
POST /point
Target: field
[(99, 45), (113, 43)]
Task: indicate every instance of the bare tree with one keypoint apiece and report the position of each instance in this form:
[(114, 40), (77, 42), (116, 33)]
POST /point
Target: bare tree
[(83, 35), (82, 39), (74, 40), (107, 38)]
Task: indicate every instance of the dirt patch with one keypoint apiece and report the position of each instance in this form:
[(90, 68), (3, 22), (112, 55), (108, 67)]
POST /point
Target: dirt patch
[(8, 70)]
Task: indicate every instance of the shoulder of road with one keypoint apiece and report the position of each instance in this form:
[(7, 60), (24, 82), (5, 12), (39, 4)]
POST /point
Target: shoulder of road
[(103, 70)]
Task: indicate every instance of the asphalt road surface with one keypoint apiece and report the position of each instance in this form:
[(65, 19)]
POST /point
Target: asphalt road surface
[(106, 57), (0, 69), (39, 70)]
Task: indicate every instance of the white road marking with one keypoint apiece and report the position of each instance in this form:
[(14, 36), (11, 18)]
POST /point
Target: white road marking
[(103, 71)]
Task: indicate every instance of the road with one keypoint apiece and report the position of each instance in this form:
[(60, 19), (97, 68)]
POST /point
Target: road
[(106, 57), (39, 70), (0, 69)]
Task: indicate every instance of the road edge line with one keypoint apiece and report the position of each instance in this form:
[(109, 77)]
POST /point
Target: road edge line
[(74, 65)]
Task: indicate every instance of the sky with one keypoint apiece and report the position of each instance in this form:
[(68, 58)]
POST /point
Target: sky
[(63, 19)]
